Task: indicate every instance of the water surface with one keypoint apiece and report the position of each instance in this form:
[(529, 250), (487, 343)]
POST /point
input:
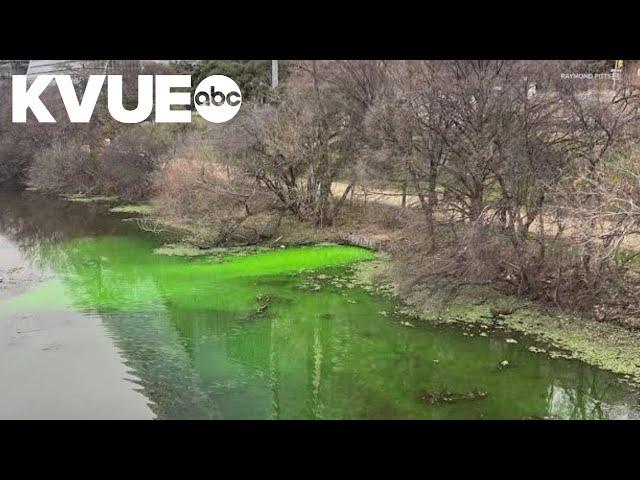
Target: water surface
[(95, 324)]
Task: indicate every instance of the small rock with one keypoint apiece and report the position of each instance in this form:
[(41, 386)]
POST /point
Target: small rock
[(407, 324), (484, 334), (511, 340)]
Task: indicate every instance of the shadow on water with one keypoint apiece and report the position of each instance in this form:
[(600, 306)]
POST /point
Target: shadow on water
[(266, 336)]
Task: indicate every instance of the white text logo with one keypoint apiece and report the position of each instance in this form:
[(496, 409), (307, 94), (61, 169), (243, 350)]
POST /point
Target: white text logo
[(217, 98)]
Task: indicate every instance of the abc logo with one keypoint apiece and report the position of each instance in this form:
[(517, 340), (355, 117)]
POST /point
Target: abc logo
[(217, 98)]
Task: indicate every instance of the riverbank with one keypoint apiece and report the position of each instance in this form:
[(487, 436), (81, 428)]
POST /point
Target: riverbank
[(480, 310), (483, 310)]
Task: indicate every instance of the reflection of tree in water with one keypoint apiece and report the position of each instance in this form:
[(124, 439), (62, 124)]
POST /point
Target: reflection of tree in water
[(29, 218), (592, 396), (148, 343), (152, 348), (143, 331)]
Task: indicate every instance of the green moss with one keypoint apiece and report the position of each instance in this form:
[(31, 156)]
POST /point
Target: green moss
[(141, 209)]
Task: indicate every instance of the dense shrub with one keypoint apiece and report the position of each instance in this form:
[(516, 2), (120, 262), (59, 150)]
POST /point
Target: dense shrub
[(128, 161), (22, 143), (68, 168), (224, 205), (123, 166)]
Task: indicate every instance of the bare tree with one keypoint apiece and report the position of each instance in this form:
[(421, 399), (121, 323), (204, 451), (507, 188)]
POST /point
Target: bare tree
[(298, 147)]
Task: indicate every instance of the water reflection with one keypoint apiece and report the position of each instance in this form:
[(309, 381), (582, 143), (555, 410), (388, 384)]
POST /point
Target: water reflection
[(29, 218), (220, 341)]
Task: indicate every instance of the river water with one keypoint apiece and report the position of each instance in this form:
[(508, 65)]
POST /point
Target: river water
[(94, 324)]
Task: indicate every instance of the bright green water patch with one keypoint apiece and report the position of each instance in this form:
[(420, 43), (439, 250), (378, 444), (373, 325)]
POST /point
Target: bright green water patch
[(123, 273), (289, 333)]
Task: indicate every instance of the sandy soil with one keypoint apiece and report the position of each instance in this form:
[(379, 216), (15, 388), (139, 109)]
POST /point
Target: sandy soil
[(378, 195)]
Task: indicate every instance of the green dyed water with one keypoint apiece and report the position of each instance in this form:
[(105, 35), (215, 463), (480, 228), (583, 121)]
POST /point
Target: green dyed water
[(282, 334)]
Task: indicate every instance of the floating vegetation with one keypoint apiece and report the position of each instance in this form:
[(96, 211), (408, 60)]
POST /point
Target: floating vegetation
[(535, 349), (264, 301), (445, 396), (310, 287), (558, 354), (504, 364)]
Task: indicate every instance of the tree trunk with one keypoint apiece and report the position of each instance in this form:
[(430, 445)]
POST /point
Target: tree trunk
[(324, 208)]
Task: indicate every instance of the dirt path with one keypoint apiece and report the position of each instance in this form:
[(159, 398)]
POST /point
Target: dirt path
[(394, 198), (377, 195)]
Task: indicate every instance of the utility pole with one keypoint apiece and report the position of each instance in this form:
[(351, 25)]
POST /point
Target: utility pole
[(274, 74)]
